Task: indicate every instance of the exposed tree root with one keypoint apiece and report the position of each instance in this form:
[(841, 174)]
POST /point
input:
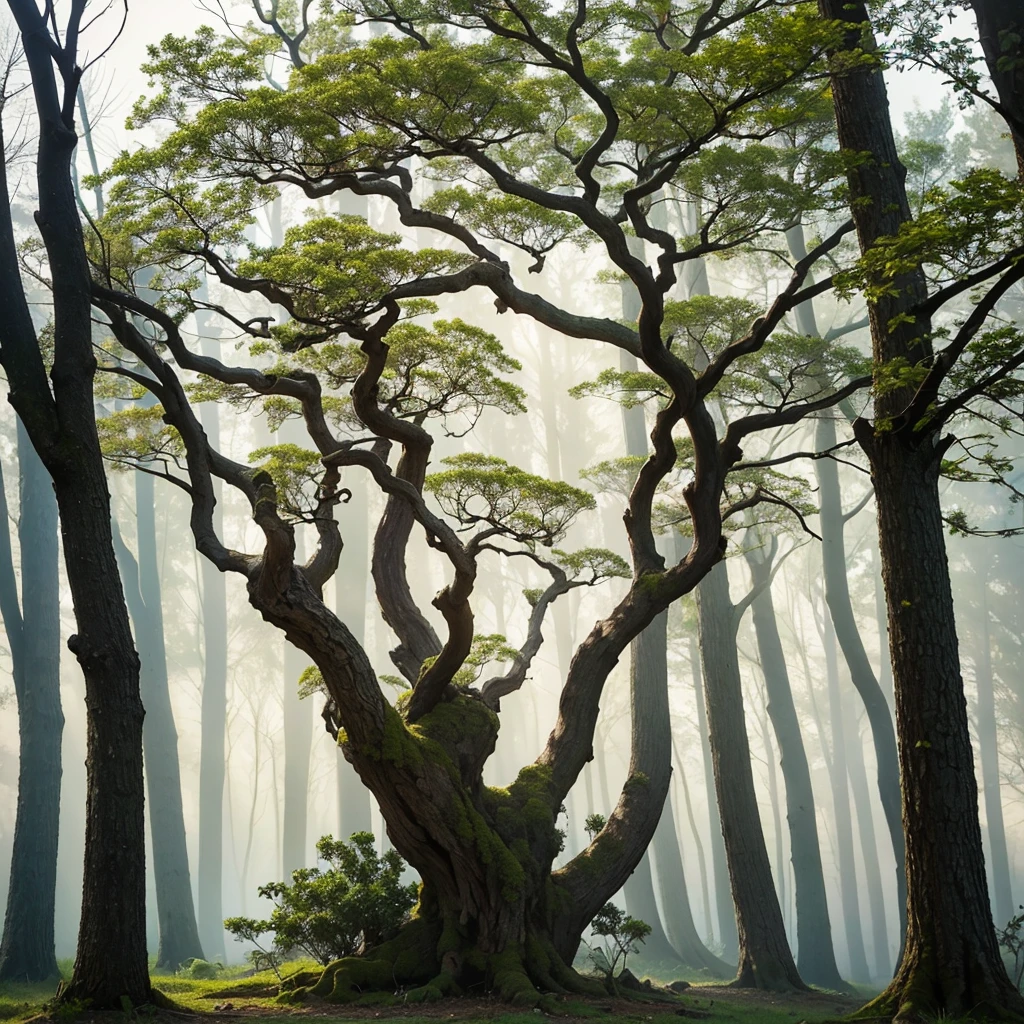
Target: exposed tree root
[(426, 962), (921, 992)]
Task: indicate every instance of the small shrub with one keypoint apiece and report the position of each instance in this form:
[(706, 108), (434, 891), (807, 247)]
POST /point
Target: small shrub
[(200, 970), (622, 934), (1011, 938), (353, 905)]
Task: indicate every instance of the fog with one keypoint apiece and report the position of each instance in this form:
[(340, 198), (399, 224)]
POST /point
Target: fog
[(558, 438)]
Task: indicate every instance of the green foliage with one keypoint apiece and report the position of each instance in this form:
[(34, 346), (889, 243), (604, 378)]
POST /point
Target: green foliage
[(484, 489), (593, 824), (451, 369), (138, 435), (622, 934), (296, 473), (356, 903), (1011, 938), (200, 970), (337, 270), (592, 565), (485, 648), (961, 228), (629, 388)]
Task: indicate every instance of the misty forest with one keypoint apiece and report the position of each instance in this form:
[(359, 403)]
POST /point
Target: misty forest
[(512, 506)]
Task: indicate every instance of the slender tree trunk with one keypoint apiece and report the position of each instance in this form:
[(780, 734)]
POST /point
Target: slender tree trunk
[(988, 745), (33, 636), (111, 965), (816, 959), (670, 879), (724, 909), (213, 710), (773, 800), (702, 869), (765, 960), (350, 600), (882, 957), (838, 774), (951, 962), (298, 744), (840, 609), (179, 935), (648, 670)]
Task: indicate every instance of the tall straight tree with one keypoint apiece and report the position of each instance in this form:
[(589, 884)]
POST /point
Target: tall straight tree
[(111, 965), (213, 706), (32, 623), (816, 958), (951, 962), (179, 934), (648, 674), (765, 959), (832, 520)]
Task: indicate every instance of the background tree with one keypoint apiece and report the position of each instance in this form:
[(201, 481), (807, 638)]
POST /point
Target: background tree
[(111, 963), (32, 623)]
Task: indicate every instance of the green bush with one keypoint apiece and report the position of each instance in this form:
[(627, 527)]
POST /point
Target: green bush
[(622, 934), (353, 905), (200, 970)]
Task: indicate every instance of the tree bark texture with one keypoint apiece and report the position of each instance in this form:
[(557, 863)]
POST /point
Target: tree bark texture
[(951, 962), (111, 964), (33, 636), (765, 959)]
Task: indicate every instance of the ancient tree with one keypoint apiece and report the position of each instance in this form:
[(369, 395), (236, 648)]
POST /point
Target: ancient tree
[(546, 128)]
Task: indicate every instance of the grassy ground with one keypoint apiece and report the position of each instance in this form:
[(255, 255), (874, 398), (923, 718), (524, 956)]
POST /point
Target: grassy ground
[(230, 997)]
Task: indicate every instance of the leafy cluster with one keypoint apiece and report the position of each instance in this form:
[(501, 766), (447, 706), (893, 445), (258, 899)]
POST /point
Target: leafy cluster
[(622, 934), (356, 903), (486, 490)]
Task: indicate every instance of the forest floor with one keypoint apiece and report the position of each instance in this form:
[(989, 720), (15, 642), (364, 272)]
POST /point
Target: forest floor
[(228, 1000)]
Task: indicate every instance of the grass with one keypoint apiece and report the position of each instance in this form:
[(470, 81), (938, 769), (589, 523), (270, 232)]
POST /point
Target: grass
[(250, 996)]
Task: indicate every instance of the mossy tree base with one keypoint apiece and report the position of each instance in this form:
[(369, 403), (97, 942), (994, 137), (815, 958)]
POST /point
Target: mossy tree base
[(426, 962), (925, 991)]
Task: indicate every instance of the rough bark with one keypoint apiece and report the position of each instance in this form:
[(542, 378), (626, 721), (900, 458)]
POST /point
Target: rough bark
[(111, 963), (816, 959), (179, 934), (999, 27), (33, 637), (951, 963), (765, 959)]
